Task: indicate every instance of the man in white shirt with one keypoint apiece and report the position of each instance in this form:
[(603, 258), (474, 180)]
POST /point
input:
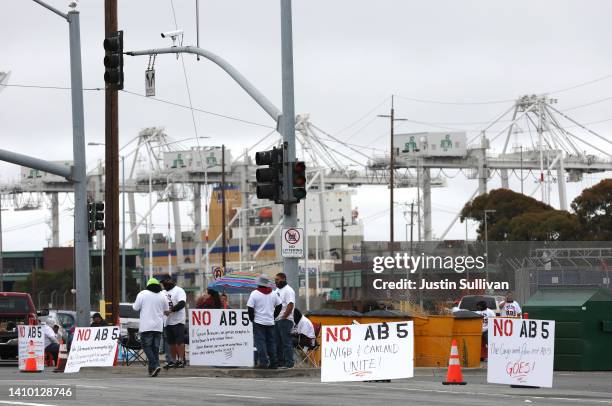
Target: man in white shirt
[(175, 324), (486, 314), (304, 330), (510, 307), (51, 343), (263, 306), (152, 305), (284, 322)]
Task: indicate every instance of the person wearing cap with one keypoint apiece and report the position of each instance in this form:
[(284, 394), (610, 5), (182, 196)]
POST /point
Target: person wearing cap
[(51, 342), (98, 321), (263, 307), (175, 323), (152, 305)]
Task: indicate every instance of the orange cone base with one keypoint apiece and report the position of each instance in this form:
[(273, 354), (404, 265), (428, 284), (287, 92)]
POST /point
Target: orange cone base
[(454, 383)]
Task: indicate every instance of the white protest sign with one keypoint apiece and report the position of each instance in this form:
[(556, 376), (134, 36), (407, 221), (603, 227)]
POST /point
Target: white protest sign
[(92, 347), (220, 337), (31, 342), (521, 352), (364, 352), (292, 242)]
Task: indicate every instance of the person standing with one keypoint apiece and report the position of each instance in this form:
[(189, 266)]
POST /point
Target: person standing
[(510, 307), (152, 305), (175, 324), (486, 314), (284, 321), (263, 306)]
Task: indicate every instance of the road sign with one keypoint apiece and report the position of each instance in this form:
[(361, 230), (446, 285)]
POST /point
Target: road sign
[(218, 272), (292, 243), (150, 82)]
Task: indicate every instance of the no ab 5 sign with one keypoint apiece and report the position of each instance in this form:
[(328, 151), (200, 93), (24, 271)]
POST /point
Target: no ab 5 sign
[(292, 242)]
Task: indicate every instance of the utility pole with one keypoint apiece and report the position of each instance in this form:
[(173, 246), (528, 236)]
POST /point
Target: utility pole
[(1, 257), (391, 171), (223, 208), (111, 186), (342, 230), (487, 243)]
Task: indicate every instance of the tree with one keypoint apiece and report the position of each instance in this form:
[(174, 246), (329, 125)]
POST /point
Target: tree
[(507, 205), (594, 211), (556, 225)]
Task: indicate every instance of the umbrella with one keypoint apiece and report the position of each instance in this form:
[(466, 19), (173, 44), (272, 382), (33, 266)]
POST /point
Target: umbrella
[(236, 282)]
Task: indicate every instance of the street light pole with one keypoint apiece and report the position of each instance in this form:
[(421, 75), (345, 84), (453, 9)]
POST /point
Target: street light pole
[(487, 243)]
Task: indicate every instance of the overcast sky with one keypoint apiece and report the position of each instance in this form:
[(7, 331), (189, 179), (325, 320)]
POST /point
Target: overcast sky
[(349, 56)]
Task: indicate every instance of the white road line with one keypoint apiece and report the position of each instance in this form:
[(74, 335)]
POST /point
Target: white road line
[(241, 396), (6, 402)]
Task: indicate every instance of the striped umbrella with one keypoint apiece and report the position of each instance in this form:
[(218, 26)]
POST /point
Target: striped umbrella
[(236, 282)]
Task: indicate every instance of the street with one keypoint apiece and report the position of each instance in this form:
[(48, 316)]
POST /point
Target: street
[(570, 388)]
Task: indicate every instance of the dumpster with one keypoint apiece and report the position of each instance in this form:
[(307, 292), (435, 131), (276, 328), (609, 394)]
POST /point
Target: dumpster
[(432, 340), (467, 330), (583, 328), (380, 316)]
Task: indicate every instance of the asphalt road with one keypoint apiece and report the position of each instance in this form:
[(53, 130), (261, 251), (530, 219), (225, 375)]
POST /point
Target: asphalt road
[(578, 388)]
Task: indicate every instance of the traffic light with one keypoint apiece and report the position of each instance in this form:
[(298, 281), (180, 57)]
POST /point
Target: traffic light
[(99, 216), (299, 180), (113, 61), (270, 179)]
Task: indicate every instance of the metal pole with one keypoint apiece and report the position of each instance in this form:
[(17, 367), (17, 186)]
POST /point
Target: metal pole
[(521, 147), (306, 273), (123, 271), (101, 238), (197, 216), (287, 127), (391, 179), (1, 257), (151, 226), (81, 246), (342, 258), (223, 208), (206, 215)]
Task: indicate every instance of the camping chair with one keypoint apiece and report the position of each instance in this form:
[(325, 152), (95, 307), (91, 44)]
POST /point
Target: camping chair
[(131, 348), (306, 349)]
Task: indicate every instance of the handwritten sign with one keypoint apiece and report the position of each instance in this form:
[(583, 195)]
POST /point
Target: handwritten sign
[(220, 338), (521, 352), (363, 352), (31, 350), (92, 347)]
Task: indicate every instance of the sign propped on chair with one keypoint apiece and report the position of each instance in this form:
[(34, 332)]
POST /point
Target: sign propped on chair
[(92, 347), (220, 338)]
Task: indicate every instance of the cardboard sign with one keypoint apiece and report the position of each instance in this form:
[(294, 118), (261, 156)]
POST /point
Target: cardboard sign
[(92, 347), (31, 342), (292, 242), (220, 338), (364, 352), (521, 352)]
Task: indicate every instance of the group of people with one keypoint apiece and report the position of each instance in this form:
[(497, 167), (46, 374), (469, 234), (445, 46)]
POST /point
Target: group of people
[(508, 308), (276, 322), (162, 312)]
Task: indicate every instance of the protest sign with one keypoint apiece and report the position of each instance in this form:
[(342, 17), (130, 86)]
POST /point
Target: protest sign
[(220, 338), (31, 342), (521, 352), (92, 347), (364, 352)]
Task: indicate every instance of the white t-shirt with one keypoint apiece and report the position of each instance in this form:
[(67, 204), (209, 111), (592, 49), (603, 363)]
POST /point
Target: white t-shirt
[(151, 307), (486, 315), (287, 295), (49, 334), (511, 309), (264, 306), (305, 327), (175, 295)]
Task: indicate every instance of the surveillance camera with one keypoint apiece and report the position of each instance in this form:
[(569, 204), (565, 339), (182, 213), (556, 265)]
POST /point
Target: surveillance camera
[(172, 34)]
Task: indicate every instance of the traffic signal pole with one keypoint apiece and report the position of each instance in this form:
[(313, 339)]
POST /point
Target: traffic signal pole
[(287, 129), (111, 185)]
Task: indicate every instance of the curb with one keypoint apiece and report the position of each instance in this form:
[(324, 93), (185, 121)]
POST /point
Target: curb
[(208, 372)]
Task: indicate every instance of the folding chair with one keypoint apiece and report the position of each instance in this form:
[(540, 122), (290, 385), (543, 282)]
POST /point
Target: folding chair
[(131, 348), (306, 349)]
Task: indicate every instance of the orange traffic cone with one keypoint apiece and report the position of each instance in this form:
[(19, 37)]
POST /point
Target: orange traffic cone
[(62, 358), (454, 375), (30, 364)]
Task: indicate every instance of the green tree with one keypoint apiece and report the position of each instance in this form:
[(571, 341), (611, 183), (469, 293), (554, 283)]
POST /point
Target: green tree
[(594, 211), (556, 225)]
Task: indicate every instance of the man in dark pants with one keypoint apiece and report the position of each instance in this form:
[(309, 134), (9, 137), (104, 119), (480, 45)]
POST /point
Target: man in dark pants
[(152, 305), (263, 306), (284, 321)]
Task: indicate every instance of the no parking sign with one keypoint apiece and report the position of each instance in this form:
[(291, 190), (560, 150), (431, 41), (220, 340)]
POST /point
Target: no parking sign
[(292, 242)]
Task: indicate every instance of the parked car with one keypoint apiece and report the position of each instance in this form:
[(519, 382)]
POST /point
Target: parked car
[(15, 308), (469, 303)]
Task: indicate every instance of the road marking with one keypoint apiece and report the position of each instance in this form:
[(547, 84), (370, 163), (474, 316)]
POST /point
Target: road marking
[(242, 396), (6, 402), (92, 387)]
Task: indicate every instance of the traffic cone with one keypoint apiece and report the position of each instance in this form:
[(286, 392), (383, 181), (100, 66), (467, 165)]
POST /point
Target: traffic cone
[(454, 375), (62, 358), (30, 363)]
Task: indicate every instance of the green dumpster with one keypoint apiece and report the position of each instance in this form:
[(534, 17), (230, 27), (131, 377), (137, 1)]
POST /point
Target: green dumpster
[(583, 333)]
